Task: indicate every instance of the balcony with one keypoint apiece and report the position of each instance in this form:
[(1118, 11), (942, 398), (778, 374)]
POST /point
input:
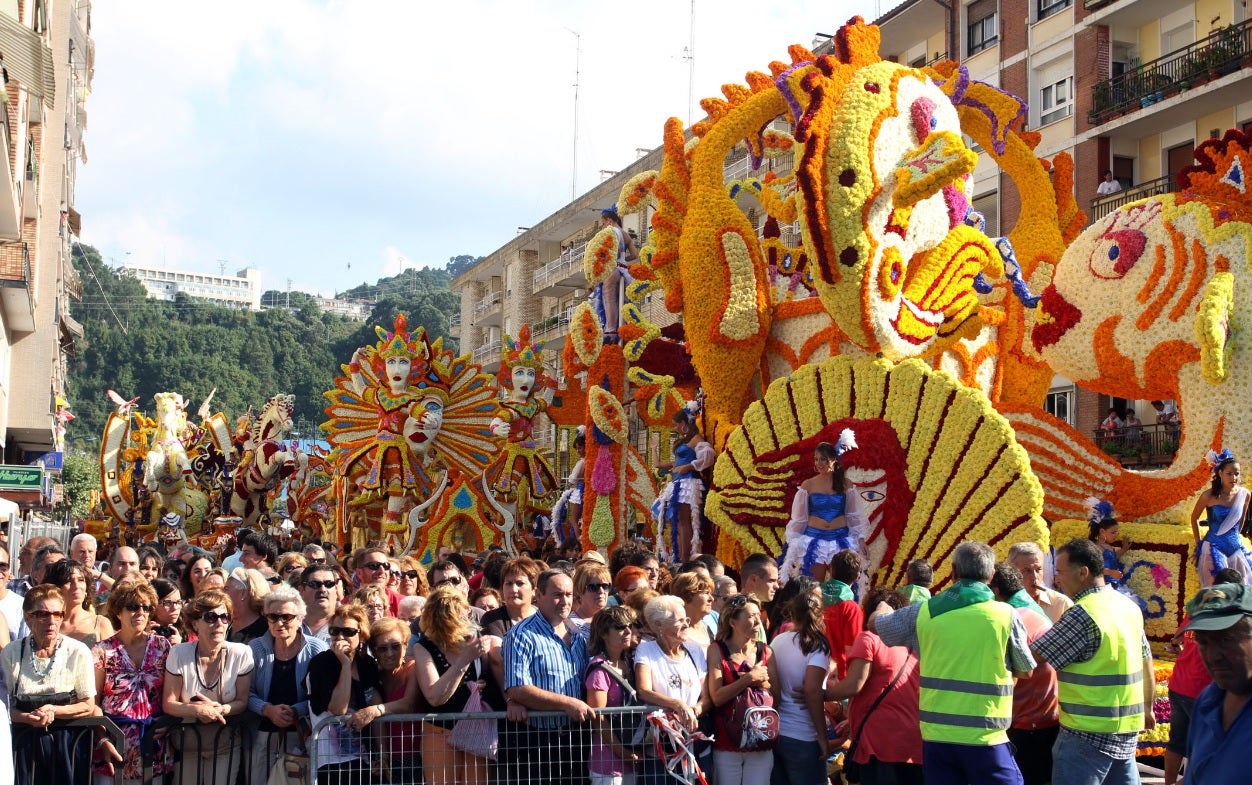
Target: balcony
[(563, 274), (1142, 447), (17, 287), (487, 310), (552, 328), (454, 325), (488, 356), (10, 191), (1103, 205), (1208, 59)]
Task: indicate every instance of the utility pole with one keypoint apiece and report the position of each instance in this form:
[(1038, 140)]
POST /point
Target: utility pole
[(288, 294), (578, 52)]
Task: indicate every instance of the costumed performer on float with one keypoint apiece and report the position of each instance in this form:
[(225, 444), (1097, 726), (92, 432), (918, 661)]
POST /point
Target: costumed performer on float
[(1226, 502), (1102, 529), (826, 515), (571, 502), (606, 297), (520, 474), (677, 510)]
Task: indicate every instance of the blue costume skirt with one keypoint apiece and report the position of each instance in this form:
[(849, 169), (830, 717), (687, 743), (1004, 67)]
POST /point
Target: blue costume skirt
[(815, 546), (1219, 551)]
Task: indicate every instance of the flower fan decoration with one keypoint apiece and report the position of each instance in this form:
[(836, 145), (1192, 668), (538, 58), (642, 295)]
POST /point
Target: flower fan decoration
[(636, 195), (607, 413), (642, 331), (586, 333), (1212, 327), (935, 464), (601, 256)]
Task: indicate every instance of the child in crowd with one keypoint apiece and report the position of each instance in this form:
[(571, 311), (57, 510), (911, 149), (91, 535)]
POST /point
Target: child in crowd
[(920, 575)]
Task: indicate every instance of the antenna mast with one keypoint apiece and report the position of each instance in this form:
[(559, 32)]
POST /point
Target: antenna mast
[(691, 65), (578, 51)]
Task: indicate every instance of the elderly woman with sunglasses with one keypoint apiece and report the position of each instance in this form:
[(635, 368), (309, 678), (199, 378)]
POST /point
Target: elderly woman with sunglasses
[(610, 682), (341, 681), (282, 656), (130, 677), (206, 682), (592, 586), (49, 677), (669, 670)]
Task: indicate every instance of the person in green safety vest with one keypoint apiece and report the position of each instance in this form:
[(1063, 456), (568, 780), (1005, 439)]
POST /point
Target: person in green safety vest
[(1104, 673), (970, 649)]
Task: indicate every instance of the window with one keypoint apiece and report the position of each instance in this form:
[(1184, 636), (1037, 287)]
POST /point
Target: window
[(1058, 404), (989, 206), (981, 30), (1049, 7), (1056, 101)]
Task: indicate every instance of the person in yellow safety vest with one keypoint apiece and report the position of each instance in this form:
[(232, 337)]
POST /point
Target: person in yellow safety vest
[(1104, 674), (970, 649)]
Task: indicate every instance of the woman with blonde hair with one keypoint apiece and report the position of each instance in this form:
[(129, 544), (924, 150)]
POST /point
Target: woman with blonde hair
[(290, 562), (373, 598), (246, 589), (696, 592), (592, 586), (400, 740), (342, 681), (412, 578), (451, 665)]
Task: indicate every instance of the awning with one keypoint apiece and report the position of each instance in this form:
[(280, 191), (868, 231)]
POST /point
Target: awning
[(76, 222), (27, 58)]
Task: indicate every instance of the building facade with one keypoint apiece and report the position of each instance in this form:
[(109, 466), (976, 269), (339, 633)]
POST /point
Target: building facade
[(48, 58), (242, 290)]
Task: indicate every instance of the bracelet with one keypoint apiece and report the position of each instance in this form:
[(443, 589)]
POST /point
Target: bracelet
[(382, 709)]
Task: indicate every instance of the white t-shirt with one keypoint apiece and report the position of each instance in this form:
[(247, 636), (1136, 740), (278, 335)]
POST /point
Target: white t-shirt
[(791, 663), (682, 678), (11, 607), (236, 662), (70, 669)]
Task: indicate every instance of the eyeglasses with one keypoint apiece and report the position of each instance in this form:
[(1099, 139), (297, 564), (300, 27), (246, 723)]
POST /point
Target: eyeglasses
[(45, 615), (321, 584), (626, 627), (376, 565), (376, 608), (138, 607), (636, 625), (171, 604), (215, 618), (410, 574), (322, 560), (387, 647), (280, 618), (599, 586), (343, 632), (4, 566), (290, 567), (454, 580)]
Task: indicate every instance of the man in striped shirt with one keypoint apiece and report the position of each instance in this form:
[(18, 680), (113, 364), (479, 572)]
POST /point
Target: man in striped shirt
[(544, 662)]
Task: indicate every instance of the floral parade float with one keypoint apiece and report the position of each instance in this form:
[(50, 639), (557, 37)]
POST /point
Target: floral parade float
[(266, 460), (404, 413), (162, 471)]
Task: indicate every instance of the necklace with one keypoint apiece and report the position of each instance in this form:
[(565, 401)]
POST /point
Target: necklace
[(201, 678), (52, 661)]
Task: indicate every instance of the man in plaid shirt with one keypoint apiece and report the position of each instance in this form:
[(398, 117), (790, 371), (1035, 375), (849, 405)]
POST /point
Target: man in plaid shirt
[(1104, 672)]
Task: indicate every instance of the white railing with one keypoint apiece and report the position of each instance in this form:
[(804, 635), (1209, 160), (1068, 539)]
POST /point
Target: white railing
[(737, 170), (488, 303), (561, 267), (548, 330), (488, 352)]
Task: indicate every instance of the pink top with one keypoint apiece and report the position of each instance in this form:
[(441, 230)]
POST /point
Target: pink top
[(894, 733)]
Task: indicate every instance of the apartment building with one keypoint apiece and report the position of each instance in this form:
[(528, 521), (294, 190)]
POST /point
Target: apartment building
[(1128, 85), (48, 58), (241, 290)]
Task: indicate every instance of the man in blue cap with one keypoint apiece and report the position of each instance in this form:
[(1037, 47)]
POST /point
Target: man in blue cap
[(1221, 723)]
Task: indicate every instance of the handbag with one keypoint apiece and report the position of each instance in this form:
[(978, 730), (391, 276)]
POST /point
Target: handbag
[(290, 768), (751, 719), (477, 737), (851, 769)]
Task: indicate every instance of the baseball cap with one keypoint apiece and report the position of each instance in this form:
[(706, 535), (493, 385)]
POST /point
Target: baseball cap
[(1219, 606)]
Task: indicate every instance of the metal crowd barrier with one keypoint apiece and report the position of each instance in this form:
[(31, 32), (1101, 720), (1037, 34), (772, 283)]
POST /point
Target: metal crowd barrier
[(62, 753), (416, 749)]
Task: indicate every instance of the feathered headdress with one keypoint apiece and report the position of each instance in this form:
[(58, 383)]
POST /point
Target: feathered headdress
[(1216, 459), (1098, 510), (847, 441), (524, 354)]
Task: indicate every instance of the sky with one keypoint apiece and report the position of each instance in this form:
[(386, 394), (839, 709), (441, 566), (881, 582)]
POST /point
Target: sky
[(332, 143)]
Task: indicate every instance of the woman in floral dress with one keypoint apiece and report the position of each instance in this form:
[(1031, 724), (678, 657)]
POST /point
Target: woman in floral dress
[(130, 677)]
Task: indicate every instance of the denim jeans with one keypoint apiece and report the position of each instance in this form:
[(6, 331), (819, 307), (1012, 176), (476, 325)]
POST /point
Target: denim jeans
[(1075, 762), (798, 763)]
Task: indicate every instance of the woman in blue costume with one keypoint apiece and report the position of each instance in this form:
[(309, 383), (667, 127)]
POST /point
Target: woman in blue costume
[(677, 508), (825, 517), (570, 505), (1227, 504), (1103, 530)]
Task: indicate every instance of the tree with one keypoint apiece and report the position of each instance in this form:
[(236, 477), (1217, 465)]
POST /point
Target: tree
[(80, 475), (459, 264)]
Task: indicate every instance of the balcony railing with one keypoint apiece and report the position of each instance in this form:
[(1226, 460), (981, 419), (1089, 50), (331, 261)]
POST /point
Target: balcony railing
[(560, 268), (454, 323), (1221, 53), (1140, 445), (1103, 205), (15, 264), (491, 302), (553, 326), (487, 352)]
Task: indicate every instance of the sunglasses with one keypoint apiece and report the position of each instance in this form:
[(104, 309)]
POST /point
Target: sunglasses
[(138, 607), (215, 618), (455, 580), (273, 580), (284, 618), (4, 566), (626, 627), (737, 602), (388, 647), (45, 615), (376, 565), (321, 584), (599, 586), (343, 632), (410, 574)]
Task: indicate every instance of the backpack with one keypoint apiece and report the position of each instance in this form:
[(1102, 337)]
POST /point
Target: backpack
[(751, 721)]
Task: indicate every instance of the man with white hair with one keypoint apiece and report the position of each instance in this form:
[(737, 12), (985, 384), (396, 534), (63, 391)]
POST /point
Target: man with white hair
[(1027, 558), (83, 550)]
